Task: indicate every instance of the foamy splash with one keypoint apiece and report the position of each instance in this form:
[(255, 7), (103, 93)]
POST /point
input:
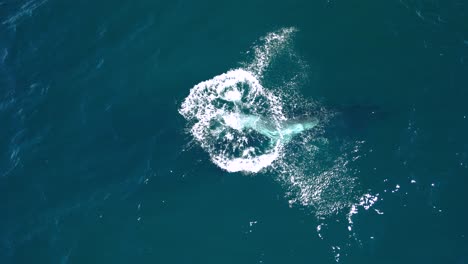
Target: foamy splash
[(218, 110), (215, 109)]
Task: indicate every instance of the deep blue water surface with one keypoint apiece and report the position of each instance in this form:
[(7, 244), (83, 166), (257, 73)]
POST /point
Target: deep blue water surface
[(97, 165)]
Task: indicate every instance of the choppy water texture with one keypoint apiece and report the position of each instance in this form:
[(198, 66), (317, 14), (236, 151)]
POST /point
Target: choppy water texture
[(243, 132)]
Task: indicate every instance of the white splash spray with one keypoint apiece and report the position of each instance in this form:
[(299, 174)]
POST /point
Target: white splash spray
[(224, 111)]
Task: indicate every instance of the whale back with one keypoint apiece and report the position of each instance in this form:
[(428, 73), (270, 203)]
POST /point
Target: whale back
[(284, 131)]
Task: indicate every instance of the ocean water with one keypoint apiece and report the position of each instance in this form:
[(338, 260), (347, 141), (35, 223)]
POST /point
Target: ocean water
[(233, 132)]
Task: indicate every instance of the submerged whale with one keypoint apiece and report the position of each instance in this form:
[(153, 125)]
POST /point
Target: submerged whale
[(350, 121), (276, 131)]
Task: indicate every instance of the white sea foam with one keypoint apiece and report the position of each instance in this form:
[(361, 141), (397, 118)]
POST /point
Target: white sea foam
[(217, 108), (273, 43), (26, 9), (223, 113)]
